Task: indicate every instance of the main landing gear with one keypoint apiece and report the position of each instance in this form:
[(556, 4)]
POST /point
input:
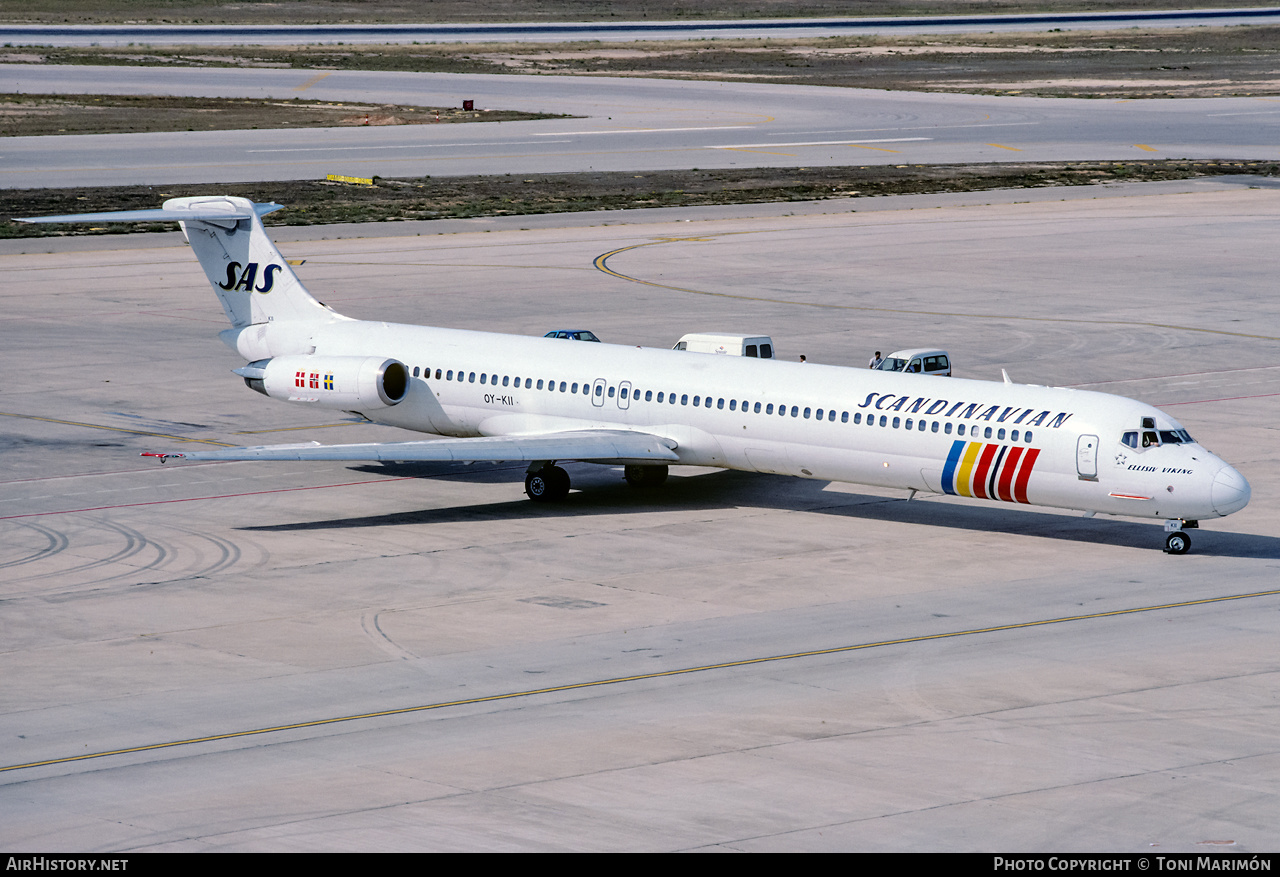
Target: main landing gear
[(546, 482), (1178, 541), (645, 476)]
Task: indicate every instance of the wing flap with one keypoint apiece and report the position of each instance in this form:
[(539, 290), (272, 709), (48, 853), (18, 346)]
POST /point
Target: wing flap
[(594, 446)]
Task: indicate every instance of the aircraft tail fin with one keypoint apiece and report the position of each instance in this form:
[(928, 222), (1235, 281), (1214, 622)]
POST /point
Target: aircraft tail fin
[(248, 274)]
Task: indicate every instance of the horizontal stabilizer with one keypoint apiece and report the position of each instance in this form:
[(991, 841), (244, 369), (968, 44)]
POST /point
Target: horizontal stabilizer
[(208, 212), (599, 446)]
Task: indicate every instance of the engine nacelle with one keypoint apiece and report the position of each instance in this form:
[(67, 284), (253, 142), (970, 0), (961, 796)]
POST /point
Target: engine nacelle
[(348, 383)]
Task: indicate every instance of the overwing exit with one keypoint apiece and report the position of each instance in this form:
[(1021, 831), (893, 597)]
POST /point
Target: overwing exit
[(542, 401)]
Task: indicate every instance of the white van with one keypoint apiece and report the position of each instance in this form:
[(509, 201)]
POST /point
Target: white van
[(760, 346), (919, 362)]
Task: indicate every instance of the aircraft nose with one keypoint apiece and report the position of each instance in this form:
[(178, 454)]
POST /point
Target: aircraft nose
[(1230, 492)]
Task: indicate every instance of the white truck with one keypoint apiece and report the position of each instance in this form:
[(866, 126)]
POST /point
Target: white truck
[(760, 346)]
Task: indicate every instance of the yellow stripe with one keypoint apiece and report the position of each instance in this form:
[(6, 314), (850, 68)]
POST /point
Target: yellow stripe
[(966, 468), (1002, 146), (1145, 148), (600, 263), (662, 674)]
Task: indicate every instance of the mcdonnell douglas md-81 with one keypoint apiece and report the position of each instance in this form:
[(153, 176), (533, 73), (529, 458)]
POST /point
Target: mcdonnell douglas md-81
[(540, 400)]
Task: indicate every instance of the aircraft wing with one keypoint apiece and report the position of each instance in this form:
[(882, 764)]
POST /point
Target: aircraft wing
[(596, 446), (212, 211)]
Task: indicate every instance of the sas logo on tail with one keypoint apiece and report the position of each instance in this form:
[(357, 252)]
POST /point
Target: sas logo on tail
[(244, 279), (989, 471)]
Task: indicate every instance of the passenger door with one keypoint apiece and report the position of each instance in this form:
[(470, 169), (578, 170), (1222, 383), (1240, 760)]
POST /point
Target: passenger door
[(1087, 457)]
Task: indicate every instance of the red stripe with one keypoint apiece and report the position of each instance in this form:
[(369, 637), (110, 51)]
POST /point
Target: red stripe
[(984, 464), (1024, 474), (1006, 474)]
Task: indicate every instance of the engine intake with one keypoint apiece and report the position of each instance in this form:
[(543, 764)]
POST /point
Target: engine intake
[(347, 383)]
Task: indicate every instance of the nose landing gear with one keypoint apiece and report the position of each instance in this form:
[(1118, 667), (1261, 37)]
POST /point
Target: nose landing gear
[(1177, 540)]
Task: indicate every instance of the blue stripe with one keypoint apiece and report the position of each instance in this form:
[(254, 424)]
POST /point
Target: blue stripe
[(949, 470)]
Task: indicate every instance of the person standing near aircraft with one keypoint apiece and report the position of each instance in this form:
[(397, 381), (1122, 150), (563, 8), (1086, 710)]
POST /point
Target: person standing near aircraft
[(875, 360)]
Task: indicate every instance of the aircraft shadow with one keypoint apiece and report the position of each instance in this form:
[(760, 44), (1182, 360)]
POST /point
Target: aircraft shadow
[(600, 489)]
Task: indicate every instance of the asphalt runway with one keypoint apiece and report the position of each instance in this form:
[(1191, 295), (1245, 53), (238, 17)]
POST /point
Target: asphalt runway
[(552, 32), (945, 674), (619, 124)]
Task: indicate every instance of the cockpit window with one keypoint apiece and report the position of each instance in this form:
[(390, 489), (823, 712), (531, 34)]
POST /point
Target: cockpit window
[(1130, 439)]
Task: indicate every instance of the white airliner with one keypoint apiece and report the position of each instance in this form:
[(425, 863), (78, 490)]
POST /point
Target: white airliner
[(540, 400)]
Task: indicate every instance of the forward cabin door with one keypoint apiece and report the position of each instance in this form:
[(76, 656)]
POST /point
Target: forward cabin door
[(1087, 457)]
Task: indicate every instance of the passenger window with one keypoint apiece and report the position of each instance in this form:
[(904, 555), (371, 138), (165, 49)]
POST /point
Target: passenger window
[(884, 421), (648, 396), (1026, 436), (506, 380), (623, 394), (986, 433), (528, 383), (484, 379), (960, 429), (611, 389), (1014, 436), (539, 383), (415, 371), (720, 403), (934, 427), (733, 404), (896, 421), (1000, 435), (857, 416), (908, 423), (684, 399), (600, 390), (795, 410), (437, 374), (946, 429), (471, 378), (807, 412), (769, 408), (450, 375), (756, 408), (573, 388)]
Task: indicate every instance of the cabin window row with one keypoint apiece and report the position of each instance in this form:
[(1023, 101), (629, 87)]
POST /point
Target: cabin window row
[(699, 401)]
